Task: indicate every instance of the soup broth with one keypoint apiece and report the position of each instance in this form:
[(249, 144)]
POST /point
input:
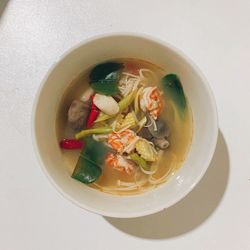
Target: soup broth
[(180, 127)]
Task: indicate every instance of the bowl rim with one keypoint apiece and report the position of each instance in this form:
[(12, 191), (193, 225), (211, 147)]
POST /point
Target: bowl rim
[(205, 84)]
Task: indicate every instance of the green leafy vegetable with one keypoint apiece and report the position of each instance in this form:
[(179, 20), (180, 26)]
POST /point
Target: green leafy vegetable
[(85, 132), (104, 78), (101, 71), (88, 167), (140, 161), (86, 171), (172, 88), (107, 86)]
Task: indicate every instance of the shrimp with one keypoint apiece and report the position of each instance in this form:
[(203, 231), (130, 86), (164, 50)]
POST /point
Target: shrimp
[(123, 141), (119, 163), (151, 101)]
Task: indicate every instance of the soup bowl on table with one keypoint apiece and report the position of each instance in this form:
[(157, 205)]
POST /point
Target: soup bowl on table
[(110, 48)]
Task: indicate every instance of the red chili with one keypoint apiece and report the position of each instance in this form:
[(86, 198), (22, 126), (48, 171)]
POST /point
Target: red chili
[(94, 112), (71, 144)]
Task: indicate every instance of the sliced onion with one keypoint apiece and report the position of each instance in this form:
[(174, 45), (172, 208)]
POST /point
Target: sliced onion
[(87, 94), (106, 104)]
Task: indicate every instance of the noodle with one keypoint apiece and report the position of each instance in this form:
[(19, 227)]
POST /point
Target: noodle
[(131, 75), (172, 166), (127, 185), (149, 71)]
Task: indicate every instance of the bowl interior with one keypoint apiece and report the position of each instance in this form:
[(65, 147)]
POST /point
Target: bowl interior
[(118, 46)]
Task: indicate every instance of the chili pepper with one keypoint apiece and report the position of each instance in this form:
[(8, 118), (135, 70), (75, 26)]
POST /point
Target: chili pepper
[(71, 144), (94, 112)]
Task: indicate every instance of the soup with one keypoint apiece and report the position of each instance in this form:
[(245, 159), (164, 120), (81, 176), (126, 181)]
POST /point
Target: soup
[(124, 126)]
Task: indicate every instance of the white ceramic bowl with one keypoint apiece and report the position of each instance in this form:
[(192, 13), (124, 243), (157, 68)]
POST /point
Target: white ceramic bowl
[(94, 51)]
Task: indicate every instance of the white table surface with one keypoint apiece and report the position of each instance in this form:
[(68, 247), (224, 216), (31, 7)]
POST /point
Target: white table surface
[(215, 34)]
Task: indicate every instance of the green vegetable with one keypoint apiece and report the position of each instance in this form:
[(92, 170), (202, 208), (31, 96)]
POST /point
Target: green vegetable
[(172, 88), (86, 171), (85, 132), (88, 167), (104, 78), (103, 117), (101, 71), (107, 86), (139, 161), (123, 104)]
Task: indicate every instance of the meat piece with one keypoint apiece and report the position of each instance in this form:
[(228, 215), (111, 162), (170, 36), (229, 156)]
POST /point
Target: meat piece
[(144, 133), (162, 130), (77, 114), (161, 143)]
